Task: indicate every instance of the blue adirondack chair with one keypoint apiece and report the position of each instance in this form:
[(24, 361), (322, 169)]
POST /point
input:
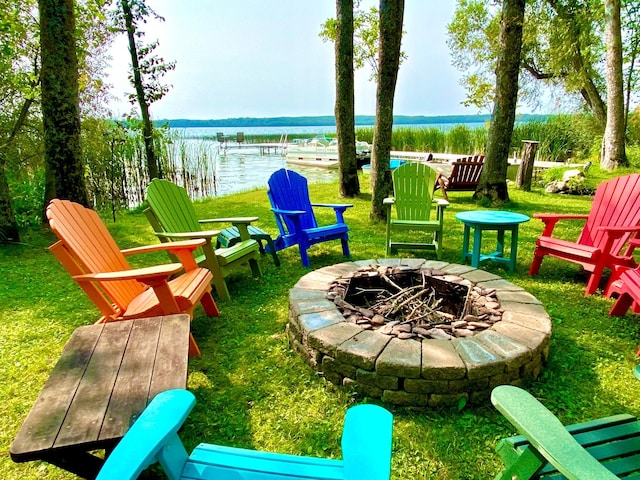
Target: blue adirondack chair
[(289, 196), (366, 449)]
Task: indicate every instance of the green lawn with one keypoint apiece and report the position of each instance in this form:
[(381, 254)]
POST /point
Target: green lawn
[(253, 391)]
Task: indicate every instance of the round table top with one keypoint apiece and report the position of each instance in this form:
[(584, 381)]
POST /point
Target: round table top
[(491, 217)]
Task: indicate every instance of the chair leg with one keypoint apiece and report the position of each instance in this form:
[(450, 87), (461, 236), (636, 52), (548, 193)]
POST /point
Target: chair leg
[(209, 305), (621, 305), (194, 351), (255, 268), (271, 248), (221, 287), (345, 247), (535, 264), (594, 281)]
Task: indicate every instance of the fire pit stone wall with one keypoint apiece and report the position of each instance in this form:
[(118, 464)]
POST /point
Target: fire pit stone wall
[(422, 373)]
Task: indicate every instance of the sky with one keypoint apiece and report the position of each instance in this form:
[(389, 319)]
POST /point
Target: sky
[(258, 58)]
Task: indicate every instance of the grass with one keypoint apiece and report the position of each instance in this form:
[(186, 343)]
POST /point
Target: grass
[(254, 391)]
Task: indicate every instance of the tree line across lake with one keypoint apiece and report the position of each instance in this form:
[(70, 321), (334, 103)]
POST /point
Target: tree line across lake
[(329, 120)]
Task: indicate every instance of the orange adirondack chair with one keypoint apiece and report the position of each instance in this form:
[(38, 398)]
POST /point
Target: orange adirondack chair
[(614, 217), (89, 253)]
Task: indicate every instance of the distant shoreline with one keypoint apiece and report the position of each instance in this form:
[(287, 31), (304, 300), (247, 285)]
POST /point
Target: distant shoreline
[(329, 121)]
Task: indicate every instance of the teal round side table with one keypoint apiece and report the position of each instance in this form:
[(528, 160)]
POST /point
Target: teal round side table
[(500, 221)]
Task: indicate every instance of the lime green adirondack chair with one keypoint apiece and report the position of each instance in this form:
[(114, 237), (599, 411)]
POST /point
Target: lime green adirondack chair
[(172, 217), (416, 209), (602, 449)]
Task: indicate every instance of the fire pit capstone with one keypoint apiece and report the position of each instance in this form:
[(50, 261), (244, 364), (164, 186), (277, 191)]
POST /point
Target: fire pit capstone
[(504, 339)]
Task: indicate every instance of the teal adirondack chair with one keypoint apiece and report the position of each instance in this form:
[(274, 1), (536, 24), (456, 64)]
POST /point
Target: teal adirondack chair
[(172, 217), (416, 209), (603, 449), (366, 449)]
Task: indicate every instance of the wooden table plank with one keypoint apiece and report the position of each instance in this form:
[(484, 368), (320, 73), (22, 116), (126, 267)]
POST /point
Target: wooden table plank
[(40, 429), (131, 391), (88, 408), (171, 371), (105, 377)]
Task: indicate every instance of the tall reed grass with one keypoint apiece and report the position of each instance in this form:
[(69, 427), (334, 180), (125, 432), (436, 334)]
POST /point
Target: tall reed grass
[(117, 173)]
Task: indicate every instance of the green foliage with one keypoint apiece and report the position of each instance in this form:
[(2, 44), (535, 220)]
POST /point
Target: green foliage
[(366, 33), (254, 391)]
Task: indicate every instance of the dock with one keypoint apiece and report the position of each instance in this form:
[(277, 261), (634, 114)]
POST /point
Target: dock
[(262, 148)]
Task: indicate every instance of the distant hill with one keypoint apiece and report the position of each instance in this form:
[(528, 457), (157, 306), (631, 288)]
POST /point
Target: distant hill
[(330, 121)]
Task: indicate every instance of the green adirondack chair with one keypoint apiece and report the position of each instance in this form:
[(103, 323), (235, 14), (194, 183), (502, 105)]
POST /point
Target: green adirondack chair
[(173, 218), (602, 449), (416, 209)]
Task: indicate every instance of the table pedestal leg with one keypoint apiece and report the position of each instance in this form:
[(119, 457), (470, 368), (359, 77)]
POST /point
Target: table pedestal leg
[(477, 242), (465, 244), (514, 248)]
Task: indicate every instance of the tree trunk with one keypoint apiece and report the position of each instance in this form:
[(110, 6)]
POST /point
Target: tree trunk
[(8, 225), (588, 90), (344, 108), (493, 181), (391, 16), (525, 171), (147, 127), (614, 133), (60, 101)]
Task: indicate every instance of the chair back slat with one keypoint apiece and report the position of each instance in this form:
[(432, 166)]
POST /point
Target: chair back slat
[(413, 185), (88, 241), (288, 190), (616, 204), (172, 209)]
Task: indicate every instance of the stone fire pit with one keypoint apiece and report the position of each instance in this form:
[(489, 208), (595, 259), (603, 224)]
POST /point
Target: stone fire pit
[(419, 370)]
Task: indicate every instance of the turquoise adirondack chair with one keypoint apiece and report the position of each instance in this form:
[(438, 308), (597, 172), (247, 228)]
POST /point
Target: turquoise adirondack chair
[(172, 217), (416, 209), (602, 449), (366, 449), (289, 196)]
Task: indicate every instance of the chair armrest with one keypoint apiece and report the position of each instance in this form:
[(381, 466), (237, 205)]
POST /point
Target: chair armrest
[(550, 220), (338, 208), (335, 206), (442, 203), (547, 435), (145, 442), (204, 234), (184, 245), (559, 216), (294, 213), (145, 275), (389, 201), (245, 220), (366, 443), (617, 232), (183, 250), (633, 244)]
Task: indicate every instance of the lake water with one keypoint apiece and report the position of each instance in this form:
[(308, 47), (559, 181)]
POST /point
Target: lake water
[(291, 132), (235, 170)]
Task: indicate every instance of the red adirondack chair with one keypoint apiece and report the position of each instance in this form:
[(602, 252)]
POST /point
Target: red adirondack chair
[(89, 253), (614, 217)]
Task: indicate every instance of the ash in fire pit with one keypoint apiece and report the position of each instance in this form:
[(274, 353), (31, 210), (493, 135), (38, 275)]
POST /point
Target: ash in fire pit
[(414, 303)]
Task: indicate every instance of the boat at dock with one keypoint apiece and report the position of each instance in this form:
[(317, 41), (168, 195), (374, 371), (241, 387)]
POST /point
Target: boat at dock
[(321, 151)]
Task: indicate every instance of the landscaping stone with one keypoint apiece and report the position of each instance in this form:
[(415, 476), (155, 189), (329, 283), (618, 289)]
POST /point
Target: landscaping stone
[(427, 372)]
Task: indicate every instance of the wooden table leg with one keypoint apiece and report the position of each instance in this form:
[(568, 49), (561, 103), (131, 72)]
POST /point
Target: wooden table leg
[(78, 462)]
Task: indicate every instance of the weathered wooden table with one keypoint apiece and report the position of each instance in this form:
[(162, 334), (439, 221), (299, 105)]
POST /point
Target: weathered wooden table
[(105, 377)]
